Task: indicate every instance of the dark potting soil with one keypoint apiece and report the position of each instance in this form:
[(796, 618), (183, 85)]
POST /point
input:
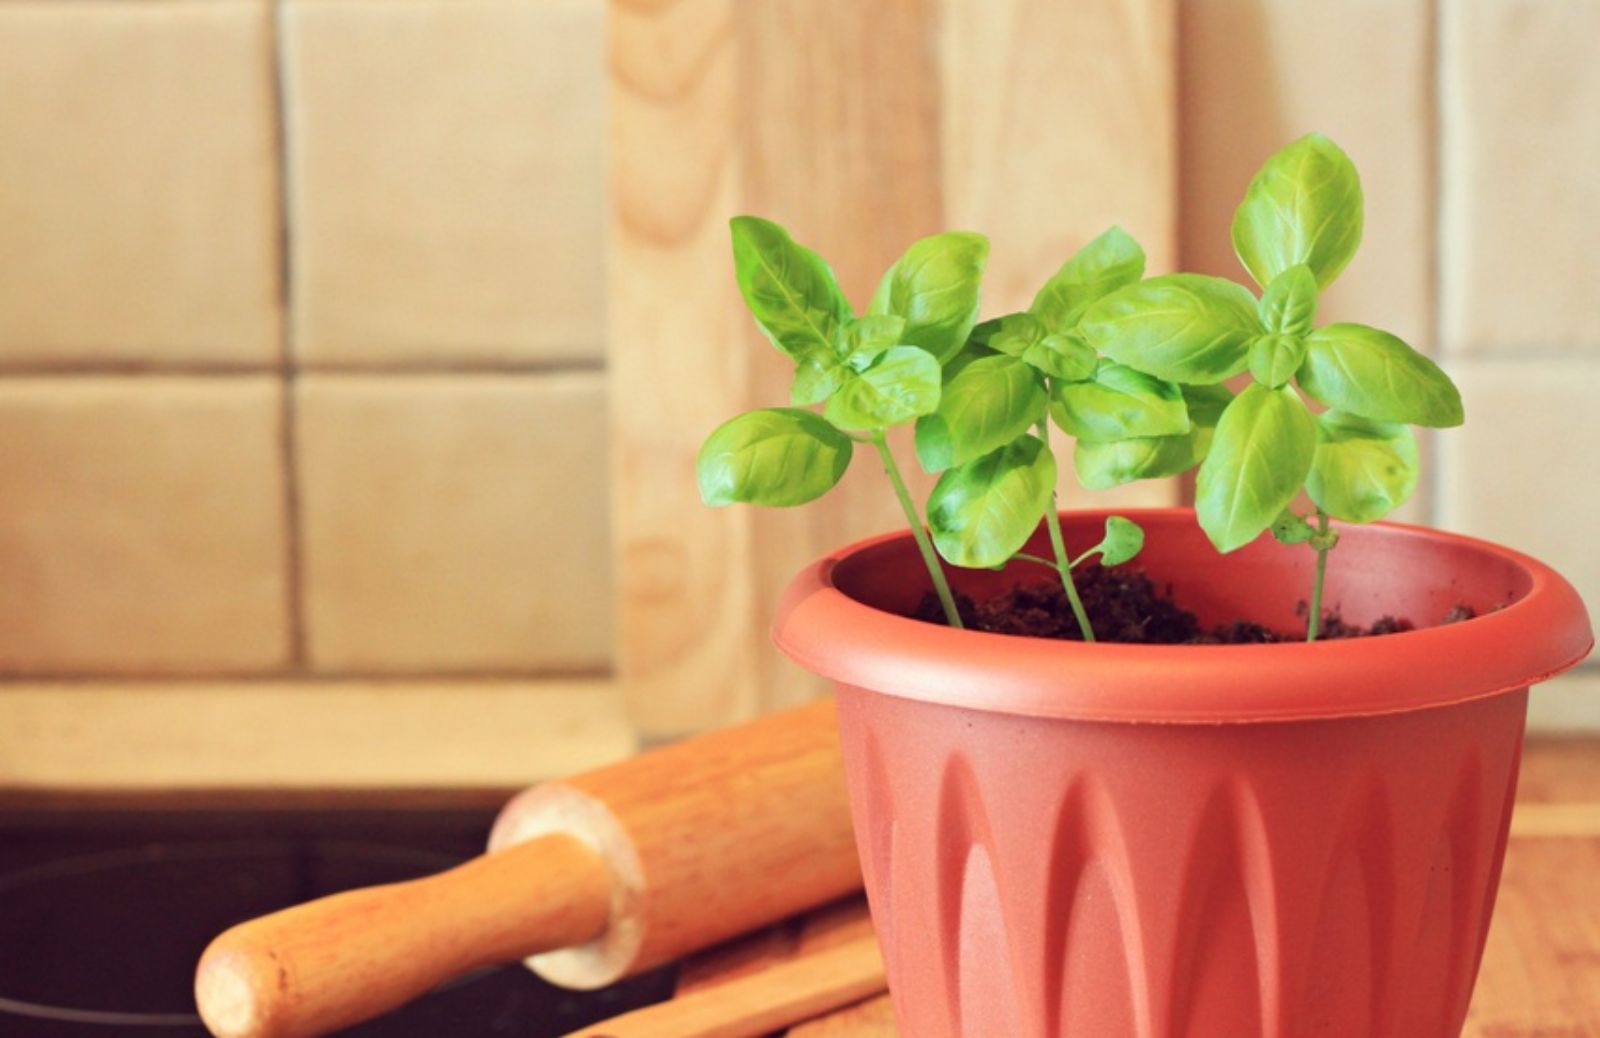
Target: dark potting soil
[(1127, 606)]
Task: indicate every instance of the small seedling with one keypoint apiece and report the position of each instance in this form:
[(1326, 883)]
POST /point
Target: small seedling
[(869, 373), (980, 395), (1297, 228), (990, 437)]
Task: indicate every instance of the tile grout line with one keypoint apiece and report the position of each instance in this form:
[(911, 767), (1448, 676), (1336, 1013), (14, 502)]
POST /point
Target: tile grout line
[(336, 369), (307, 677), (293, 556)]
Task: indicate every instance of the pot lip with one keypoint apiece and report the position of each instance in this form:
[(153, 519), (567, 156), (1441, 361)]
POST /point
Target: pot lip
[(1543, 633)]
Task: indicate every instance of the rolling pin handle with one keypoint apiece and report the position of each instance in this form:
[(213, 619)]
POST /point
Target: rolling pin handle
[(317, 967)]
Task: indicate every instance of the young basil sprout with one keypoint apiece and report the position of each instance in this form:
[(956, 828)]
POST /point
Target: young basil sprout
[(981, 396), (1297, 228), (990, 436), (869, 373)]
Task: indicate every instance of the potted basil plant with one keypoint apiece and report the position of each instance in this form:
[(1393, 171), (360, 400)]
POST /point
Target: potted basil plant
[(1153, 826)]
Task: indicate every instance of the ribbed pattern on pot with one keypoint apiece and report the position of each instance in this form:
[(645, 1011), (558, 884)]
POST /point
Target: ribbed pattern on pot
[(1041, 878)]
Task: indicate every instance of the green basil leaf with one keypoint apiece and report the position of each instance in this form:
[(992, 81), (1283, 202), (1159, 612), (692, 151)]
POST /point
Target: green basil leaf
[(1104, 465), (1015, 334), (789, 289), (816, 377), (900, 385), (987, 405), (1367, 372), (935, 452), (779, 456), (1104, 265), (1101, 466), (1303, 206), (1181, 327), (1363, 470), (1206, 404), (972, 351), (861, 341), (983, 331), (1062, 355), (983, 512), (934, 286), (1119, 403), (1290, 528), (1259, 458), (1123, 540), (1289, 305), (1275, 358)]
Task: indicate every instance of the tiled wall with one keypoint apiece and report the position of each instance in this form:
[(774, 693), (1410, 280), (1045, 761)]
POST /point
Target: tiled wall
[(301, 317), (301, 338), (1473, 123)]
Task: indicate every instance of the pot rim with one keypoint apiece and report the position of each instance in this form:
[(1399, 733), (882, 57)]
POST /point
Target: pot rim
[(1542, 633)]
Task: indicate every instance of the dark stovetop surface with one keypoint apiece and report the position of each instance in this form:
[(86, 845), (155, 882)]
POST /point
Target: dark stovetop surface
[(103, 914)]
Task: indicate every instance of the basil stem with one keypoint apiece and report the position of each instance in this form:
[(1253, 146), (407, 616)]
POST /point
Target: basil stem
[(1314, 623), (1052, 519), (941, 586)]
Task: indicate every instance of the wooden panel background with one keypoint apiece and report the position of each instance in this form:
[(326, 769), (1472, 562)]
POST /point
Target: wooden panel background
[(860, 127)]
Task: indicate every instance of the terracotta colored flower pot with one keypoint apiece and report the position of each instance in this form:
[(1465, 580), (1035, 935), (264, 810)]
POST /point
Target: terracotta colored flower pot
[(1188, 841)]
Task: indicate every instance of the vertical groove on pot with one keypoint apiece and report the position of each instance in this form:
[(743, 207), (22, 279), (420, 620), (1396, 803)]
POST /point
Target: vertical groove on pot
[(875, 838), (1218, 956), (1347, 962), (1088, 877), (972, 912), (1468, 877)]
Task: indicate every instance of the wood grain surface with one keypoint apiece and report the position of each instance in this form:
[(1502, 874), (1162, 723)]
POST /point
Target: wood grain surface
[(1541, 970), (860, 127)]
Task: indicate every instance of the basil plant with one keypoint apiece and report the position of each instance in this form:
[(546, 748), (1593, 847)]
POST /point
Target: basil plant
[(1355, 457), (980, 395)]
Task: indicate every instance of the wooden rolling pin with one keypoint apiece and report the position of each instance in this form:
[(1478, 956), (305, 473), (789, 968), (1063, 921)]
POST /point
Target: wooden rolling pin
[(590, 879)]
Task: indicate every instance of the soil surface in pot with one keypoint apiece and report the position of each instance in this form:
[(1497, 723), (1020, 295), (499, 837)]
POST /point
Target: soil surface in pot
[(1127, 606)]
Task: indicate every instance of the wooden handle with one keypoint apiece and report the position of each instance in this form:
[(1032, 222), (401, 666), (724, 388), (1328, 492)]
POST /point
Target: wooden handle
[(327, 964), (759, 1003)]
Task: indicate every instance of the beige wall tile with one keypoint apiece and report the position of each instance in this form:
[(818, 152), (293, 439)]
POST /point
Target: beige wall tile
[(1520, 88), (138, 218), (1521, 471), (306, 735), (1256, 74), (455, 523), (1570, 703), (143, 526), (447, 179)]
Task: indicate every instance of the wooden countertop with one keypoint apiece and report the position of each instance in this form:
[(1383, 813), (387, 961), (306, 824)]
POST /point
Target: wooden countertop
[(1541, 970)]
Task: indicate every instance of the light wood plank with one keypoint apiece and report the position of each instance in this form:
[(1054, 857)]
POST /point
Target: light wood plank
[(1541, 969), (1558, 770), (1556, 820), (860, 182), (1058, 121), (305, 735), (795, 989), (720, 108), (687, 630), (826, 928)]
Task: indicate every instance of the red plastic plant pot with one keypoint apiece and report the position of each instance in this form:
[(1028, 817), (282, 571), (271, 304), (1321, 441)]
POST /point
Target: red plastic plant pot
[(1098, 841)]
